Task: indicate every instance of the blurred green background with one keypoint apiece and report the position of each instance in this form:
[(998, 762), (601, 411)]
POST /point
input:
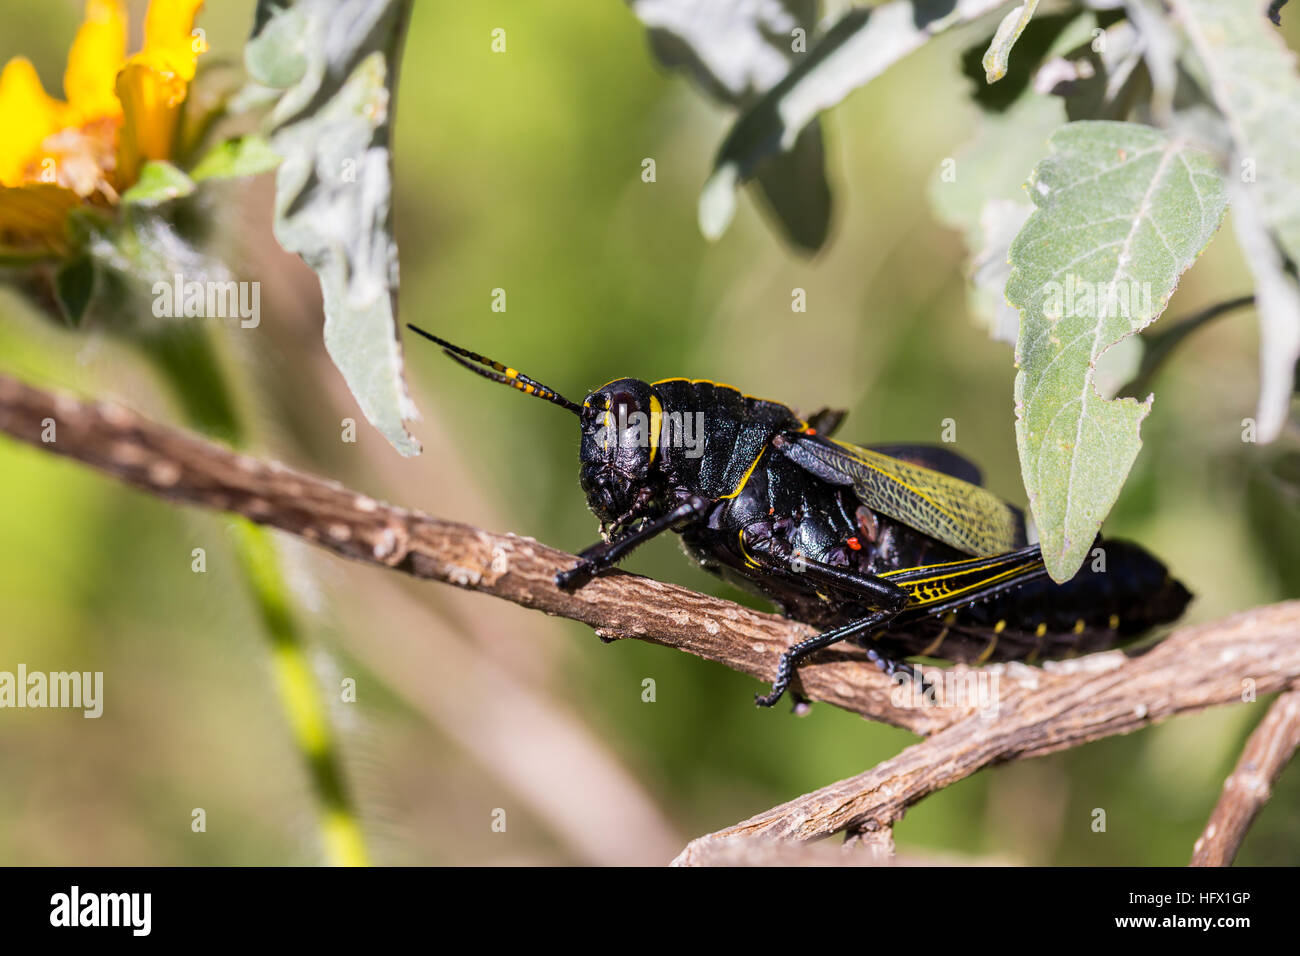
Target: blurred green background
[(522, 172)]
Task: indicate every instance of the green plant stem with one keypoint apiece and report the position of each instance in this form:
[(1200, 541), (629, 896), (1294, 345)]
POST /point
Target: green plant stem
[(187, 362), (1161, 343), (300, 695)]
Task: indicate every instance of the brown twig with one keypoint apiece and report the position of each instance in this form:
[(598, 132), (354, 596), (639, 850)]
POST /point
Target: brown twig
[(1038, 711), (872, 843), (1249, 786), (178, 466), (1194, 668)]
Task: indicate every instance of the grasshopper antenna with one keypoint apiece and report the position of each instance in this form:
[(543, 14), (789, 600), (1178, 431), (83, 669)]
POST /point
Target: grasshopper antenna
[(482, 365)]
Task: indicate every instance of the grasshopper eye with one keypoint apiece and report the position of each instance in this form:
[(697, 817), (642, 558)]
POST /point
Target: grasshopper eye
[(623, 404)]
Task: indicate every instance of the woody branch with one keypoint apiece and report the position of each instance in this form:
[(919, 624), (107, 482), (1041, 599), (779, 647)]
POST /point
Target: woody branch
[(1250, 785), (1040, 710)]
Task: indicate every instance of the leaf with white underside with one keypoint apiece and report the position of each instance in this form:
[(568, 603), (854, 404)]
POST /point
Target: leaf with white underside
[(1252, 76), (336, 64), (1000, 222), (859, 47), (981, 190), (1123, 210), (737, 50), (982, 193), (1008, 32), (1277, 303)]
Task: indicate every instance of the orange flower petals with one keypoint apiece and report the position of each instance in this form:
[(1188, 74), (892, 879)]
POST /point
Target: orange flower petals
[(120, 112), (96, 56)]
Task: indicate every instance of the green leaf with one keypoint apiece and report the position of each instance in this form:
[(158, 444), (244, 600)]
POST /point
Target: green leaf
[(794, 189), (334, 188), (1008, 32), (859, 47), (1123, 211), (1252, 76), (1041, 36), (278, 54), (981, 191), (73, 286), (235, 158), (159, 182), (736, 53)]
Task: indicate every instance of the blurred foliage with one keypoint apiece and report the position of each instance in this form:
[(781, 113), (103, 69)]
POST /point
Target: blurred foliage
[(332, 123), (522, 171)]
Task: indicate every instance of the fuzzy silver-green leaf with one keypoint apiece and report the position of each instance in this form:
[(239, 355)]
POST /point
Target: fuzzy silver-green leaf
[(333, 191), (1123, 211)]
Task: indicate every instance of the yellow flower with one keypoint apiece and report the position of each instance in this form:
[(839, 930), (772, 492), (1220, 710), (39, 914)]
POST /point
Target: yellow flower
[(120, 112)]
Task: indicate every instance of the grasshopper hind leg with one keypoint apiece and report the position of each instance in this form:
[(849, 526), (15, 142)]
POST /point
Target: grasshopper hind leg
[(888, 663), (796, 653), (892, 666)]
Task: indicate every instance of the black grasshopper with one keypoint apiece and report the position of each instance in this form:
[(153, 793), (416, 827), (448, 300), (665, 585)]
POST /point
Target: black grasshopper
[(896, 547)]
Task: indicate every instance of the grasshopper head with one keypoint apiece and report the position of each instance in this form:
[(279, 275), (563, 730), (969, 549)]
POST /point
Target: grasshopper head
[(620, 434), (619, 439)]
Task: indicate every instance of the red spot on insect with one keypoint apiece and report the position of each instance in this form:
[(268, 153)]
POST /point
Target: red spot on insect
[(771, 511), (811, 431), (854, 544)]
